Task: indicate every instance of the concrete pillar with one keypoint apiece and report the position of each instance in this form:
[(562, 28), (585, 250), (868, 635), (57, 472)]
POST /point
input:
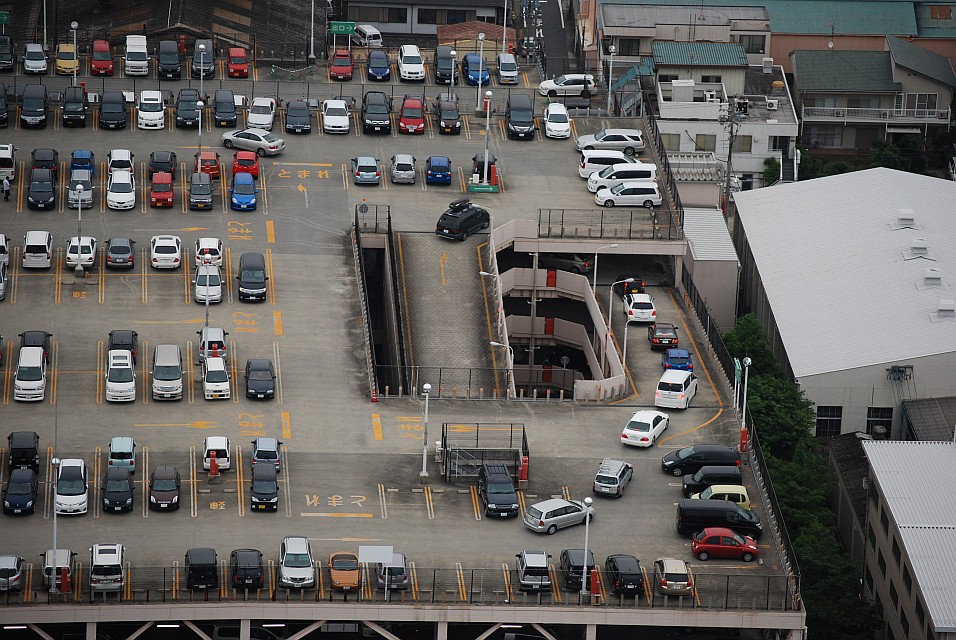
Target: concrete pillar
[(590, 632), (441, 631), (244, 629), (91, 630)]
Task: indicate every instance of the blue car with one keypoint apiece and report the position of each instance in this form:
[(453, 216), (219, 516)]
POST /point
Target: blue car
[(379, 67), (20, 494), (677, 359), (242, 193), (474, 69), (437, 170), (83, 159)]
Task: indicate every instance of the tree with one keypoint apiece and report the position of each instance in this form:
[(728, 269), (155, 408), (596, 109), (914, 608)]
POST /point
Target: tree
[(887, 154), (782, 416), (748, 339), (771, 173)]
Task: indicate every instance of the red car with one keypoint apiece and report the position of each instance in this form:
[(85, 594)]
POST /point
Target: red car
[(342, 65), (412, 116), (101, 59), (238, 65), (161, 190), (718, 542), (246, 162), (208, 162)]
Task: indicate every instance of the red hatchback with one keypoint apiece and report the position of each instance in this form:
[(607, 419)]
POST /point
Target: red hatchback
[(342, 65), (208, 162), (161, 190), (238, 65), (245, 162), (101, 59), (718, 542), (412, 116)]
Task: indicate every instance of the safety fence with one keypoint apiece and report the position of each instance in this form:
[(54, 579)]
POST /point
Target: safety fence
[(618, 223)]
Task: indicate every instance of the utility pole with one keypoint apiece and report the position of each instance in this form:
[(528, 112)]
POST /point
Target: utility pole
[(731, 120)]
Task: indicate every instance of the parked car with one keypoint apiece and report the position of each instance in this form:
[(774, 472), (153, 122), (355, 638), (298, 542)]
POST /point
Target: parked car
[(208, 284), (298, 117), (120, 253), (163, 161), (20, 493), (345, 571), (262, 113), (438, 170), (393, 575), (378, 66), (263, 143), (403, 169), (41, 192), (72, 488), (121, 190), (644, 428), (557, 513), (569, 84), (365, 170), (566, 262), (117, 489), (691, 459), (246, 570), (557, 122), (474, 70), (719, 542), (164, 488), (81, 251), (411, 117), (245, 162), (342, 65), (461, 219), (376, 112), (120, 376), (632, 193), (296, 564), (448, 116), (336, 117), (215, 379), (34, 59), (161, 192), (209, 250), (673, 577), (11, 572), (625, 575), (124, 339), (630, 141), (208, 162), (243, 192), (266, 450), (101, 58), (165, 252), (122, 159)]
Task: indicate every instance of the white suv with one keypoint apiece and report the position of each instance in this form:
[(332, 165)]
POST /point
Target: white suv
[(410, 63), (151, 112), (120, 376), (639, 307), (215, 379)]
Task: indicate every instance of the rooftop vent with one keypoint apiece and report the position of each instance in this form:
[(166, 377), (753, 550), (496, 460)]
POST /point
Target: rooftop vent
[(932, 278), (919, 248), (767, 65), (905, 219), (946, 309)]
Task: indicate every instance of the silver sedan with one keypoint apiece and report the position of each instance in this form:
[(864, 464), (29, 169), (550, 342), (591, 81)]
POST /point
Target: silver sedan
[(262, 142), (630, 141)]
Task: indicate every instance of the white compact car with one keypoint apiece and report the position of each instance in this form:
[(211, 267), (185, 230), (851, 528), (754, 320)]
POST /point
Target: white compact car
[(81, 251), (165, 252), (215, 379), (72, 488), (557, 122), (150, 111), (335, 116), (209, 250), (120, 376), (644, 428), (639, 307), (208, 283), (262, 114), (121, 190)]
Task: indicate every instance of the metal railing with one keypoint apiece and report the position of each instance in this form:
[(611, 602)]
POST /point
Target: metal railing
[(939, 116), (617, 223)]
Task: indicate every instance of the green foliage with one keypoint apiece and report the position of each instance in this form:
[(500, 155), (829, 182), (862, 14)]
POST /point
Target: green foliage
[(806, 483), (771, 173), (749, 339), (836, 168), (783, 417)]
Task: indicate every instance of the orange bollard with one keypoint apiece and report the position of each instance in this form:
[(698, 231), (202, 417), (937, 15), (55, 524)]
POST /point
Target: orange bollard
[(213, 465)]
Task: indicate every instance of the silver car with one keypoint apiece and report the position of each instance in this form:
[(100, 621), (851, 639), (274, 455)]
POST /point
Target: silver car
[(365, 170), (630, 141), (75, 197), (208, 284), (673, 577), (403, 169), (296, 566), (11, 573), (264, 143), (550, 515)]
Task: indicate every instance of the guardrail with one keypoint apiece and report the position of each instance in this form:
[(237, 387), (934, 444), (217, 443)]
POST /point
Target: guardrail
[(939, 116), (619, 224)]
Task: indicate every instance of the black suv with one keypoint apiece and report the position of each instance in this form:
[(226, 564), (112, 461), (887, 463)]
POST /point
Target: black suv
[(245, 567), (118, 489), (572, 563), (225, 108), (626, 288), (624, 573), (462, 219), (24, 449), (74, 107), (202, 568), (112, 110), (298, 118), (187, 108), (376, 113), (124, 339), (691, 459), (497, 491)]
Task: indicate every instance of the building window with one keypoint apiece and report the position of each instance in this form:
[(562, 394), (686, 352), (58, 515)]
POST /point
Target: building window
[(743, 144), (671, 141), (396, 15), (868, 579), (921, 102), (711, 79), (667, 78), (704, 142), (862, 102), (907, 581), (871, 537), (629, 47), (896, 551), (829, 421), (905, 625), (881, 563), (880, 418), (941, 12), (428, 16), (824, 136), (885, 522), (753, 44), (920, 614), (456, 16), (894, 595)]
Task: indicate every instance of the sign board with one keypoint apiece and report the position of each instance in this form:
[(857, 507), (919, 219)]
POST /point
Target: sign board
[(4, 17), (736, 370), (371, 554), (341, 28)]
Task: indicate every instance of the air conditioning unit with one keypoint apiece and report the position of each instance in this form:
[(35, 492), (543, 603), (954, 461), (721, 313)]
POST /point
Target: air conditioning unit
[(767, 65), (710, 95), (837, 113), (773, 104), (884, 114), (942, 115)]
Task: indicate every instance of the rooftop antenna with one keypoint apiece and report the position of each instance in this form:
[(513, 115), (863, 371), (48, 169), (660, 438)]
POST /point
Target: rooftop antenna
[(830, 42)]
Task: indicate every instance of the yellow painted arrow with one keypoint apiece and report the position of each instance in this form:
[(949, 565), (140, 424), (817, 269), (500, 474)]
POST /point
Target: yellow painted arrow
[(199, 424), (305, 193), (301, 188)]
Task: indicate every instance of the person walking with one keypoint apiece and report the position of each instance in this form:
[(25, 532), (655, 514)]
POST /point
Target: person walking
[(6, 188)]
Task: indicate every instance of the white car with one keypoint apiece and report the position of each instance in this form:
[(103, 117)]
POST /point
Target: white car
[(557, 123), (335, 116), (639, 307), (119, 159), (72, 487), (644, 428), (120, 376), (570, 84), (262, 113), (630, 141), (166, 252), (208, 284), (34, 59), (121, 190), (411, 66), (81, 251), (219, 445), (629, 194), (151, 111), (215, 379), (209, 250)]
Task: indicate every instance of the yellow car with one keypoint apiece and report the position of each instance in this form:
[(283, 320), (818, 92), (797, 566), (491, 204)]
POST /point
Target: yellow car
[(345, 571), (66, 60)]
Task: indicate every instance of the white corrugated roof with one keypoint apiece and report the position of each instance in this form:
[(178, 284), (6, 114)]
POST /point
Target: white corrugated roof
[(925, 516), (707, 235), (835, 271)]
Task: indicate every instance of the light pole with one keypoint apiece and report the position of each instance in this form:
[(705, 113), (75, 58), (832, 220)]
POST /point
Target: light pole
[(423, 476), (481, 66), (746, 362), (504, 29), (55, 463), (202, 74), (312, 36), (484, 176), (594, 275), (79, 235), (610, 76), (624, 356), (76, 54), (587, 526), (454, 72), (511, 363), (200, 105), (610, 302)]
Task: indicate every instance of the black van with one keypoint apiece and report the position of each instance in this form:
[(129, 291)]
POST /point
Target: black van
[(8, 56), (707, 476), (24, 447), (170, 62), (519, 115), (265, 488), (202, 570), (691, 459), (445, 65), (462, 219), (204, 60), (112, 110), (696, 515), (252, 276), (33, 106), (74, 107), (225, 105)]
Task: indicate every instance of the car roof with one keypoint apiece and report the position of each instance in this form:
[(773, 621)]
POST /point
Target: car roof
[(201, 554), (365, 160), (20, 439), (639, 297), (165, 472), (243, 178), (120, 154), (263, 100), (646, 413), (9, 561), (214, 333), (675, 375), (120, 357), (162, 155), (207, 268), (438, 160), (551, 503), (626, 132), (121, 443), (296, 544), (80, 174), (248, 556), (217, 363), (118, 471), (673, 565), (71, 463), (21, 471), (81, 154), (246, 154), (403, 157), (266, 444), (151, 94), (216, 441), (122, 175), (535, 557), (676, 353), (625, 561)]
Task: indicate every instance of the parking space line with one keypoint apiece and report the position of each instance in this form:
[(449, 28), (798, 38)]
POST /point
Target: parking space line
[(240, 481), (128, 585), (272, 579), (475, 501), (97, 470), (320, 582), (227, 267), (271, 282), (429, 503), (506, 576), (278, 367), (15, 274), (693, 344), (233, 366), (414, 582), (58, 275), (377, 426), (190, 380), (601, 586), (555, 584), (277, 323), (144, 476), (286, 420), (48, 484), (7, 379), (460, 575), (366, 583), (100, 355), (521, 503), (184, 196), (101, 277), (54, 370), (270, 231), (461, 179), (193, 483), (287, 484), (345, 176), (574, 130), (382, 493), (144, 378), (187, 280), (144, 275)]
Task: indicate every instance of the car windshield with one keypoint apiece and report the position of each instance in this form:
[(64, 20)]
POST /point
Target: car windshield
[(558, 117), (299, 111), (168, 58), (200, 189), (118, 186), (71, 486), (34, 54), (477, 65), (19, 489), (73, 107), (41, 186), (217, 375), (344, 563), (261, 108), (340, 61), (500, 487), (296, 560), (32, 104), (378, 59), (600, 135), (238, 60), (151, 107), (252, 276), (609, 480), (164, 484), (66, 55), (412, 112), (638, 425), (244, 189), (167, 373), (120, 374), (208, 280), (102, 55), (188, 104), (117, 485), (376, 108), (336, 111), (111, 107), (162, 187), (508, 66), (685, 453), (449, 113), (412, 60), (120, 163), (29, 374)]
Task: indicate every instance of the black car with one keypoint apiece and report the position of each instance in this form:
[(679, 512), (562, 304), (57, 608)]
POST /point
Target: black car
[(187, 108), (20, 494), (124, 340), (117, 489), (462, 219), (119, 253), (691, 459), (164, 488), (497, 491), (378, 66), (41, 193), (112, 110), (376, 113), (260, 378), (202, 568), (624, 289), (162, 161), (23, 451), (572, 566), (224, 108), (46, 159), (448, 117), (37, 339), (265, 488), (245, 569), (624, 573), (662, 335), (298, 118)]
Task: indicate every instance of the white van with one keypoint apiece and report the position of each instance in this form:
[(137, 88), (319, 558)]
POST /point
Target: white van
[(3, 280), (507, 68), (8, 162), (675, 389), (136, 60), (625, 171), (219, 444), (597, 159), (37, 250), (167, 372), (365, 35), (29, 382), (120, 376), (4, 249), (107, 572)]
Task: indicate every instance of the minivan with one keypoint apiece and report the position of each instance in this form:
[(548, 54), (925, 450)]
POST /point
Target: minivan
[(597, 159), (446, 68), (265, 488), (112, 110), (690, 459), (252, 276), (37, 250), (507, 68), (675, 389), (204, 60), (365, 35), (202, 568), (200, 191), (167, 372), (170, 62), (519, 115), (707, 476), (611, 478), (695, 515), (225, 108), (615, 173), (532, 568), (33, 106), (462, 219), (74, 107), (8, 162), (573, 563), (729, 492), (107, 567), (54, 563)]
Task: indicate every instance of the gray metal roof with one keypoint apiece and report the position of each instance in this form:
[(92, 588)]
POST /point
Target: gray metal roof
[(707, 235), (925, 518), (833, 244), (931, 418), (922, 61), (648, 16), (843, 71)]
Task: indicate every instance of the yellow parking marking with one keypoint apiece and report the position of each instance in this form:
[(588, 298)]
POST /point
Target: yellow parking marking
[(270, 232), (377, 426), (442, 261), (460, 575), (506, 576), (97, 473), (286, 424), (566, 492), (144, 275), (7, 376), (58, 282), (101, 277), (475, 501), (189, 372), (271, 282), (429, 503), (415, 590), (277, 322), (662, 440), (521, 502), (555, 584), (337, 515), (240, 481), (574, 130), (54, 375), (145, 475)]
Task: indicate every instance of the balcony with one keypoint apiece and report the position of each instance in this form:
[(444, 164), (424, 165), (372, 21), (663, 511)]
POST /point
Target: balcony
[(881, 115)]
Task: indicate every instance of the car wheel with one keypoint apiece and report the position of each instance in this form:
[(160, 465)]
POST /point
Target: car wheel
[(608, 203), (261, 152), (629, 151), (486, 224), (552, 529), (590, 517), (589, 148), (464, 236), (586, 94), (227, 143), (677, 472), (703, 555), (575, 270), (648, 204), (552, 94), (747, 557)]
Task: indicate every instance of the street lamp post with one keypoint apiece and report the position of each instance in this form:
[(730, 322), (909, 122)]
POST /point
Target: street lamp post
[(423, 476), (200, 105), (202, 74), (312, 36), (610, 302), (481, 66), (743, 420), (78, 272), (594, 275), (511, 363), (624, 356), (76, 54), (484, 176), (587, 526), (454, 72), (504, 29), (55, 462), (610, 76)]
